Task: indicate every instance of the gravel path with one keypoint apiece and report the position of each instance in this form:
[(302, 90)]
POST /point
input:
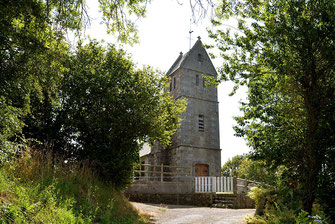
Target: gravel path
[(177, 214)]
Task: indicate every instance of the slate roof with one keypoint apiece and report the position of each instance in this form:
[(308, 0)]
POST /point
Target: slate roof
[(177, 63), (182, 58)]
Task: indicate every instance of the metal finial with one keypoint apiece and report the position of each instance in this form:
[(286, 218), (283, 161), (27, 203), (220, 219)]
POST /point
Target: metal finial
[(190, 32)]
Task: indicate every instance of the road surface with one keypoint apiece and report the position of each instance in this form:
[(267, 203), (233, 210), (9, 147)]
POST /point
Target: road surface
[(178, 214)]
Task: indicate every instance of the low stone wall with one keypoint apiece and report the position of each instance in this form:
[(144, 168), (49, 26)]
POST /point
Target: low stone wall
[(243, 201), (180, 193), (196, 199), (158, 187)]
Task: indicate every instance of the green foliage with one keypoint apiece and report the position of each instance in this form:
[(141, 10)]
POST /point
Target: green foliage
[(255, 219), (273, 205), (89, 103), (38, 189), (10, 124), (231, 167), (246, 168), (31, 62), (304, 218), (258, 171), (34, 51), (280, 206), (116, 17), (110, 108), (284, 52)]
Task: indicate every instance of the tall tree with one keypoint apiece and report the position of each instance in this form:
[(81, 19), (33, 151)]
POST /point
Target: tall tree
[(284, 52), (86, 103), (109, 108), (33, 52)]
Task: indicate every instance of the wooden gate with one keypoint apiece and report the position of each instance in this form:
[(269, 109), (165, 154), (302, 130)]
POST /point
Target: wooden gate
[(213, 184)]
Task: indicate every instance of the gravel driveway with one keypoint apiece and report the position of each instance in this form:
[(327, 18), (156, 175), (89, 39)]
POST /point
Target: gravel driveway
[(177, 214)]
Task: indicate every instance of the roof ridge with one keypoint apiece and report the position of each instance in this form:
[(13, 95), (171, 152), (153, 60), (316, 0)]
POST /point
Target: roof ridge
[(175, 63), (192, 49), (182, 58)]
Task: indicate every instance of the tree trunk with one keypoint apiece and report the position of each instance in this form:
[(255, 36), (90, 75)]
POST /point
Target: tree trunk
[(310, 188), (311, 159)]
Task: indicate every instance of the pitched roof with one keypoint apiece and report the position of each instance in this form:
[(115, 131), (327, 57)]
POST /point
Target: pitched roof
[(176, 64), (187, 60)]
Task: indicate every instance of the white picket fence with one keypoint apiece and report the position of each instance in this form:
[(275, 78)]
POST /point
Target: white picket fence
[(213, 184)]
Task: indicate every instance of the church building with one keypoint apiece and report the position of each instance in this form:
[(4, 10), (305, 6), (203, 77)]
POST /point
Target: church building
[(196, 143)]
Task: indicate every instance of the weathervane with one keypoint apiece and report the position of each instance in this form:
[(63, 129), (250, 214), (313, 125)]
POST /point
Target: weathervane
[(190, 32)]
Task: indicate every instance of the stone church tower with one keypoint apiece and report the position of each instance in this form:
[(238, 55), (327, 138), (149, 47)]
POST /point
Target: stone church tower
[(197, 142)]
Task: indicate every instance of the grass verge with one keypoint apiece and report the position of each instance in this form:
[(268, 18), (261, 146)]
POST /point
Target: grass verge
[(39, 189)]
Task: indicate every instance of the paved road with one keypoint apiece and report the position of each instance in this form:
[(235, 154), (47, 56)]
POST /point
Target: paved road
[(177, 214)]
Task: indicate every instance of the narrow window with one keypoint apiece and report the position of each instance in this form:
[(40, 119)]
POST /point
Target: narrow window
[(200, 59), (197, 80), (174, 82), (201, 123), (203, 82), (170, 86)]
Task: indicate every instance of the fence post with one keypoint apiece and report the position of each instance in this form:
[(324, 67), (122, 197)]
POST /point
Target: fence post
[(221, 184), (231, 184), (225, 184), (235, 185), (162, 168), (245, 186), (191, 175), (203, 184), (214, 184)]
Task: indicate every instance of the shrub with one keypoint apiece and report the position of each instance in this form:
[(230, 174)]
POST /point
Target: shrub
[(281, 206), (41, 189)]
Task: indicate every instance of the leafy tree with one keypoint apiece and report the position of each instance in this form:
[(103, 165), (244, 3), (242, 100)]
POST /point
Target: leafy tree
[(242, 166), (30, 63), (231, 167), (284, 53), (108, 109), (257, 170), (87, 103), (33, 53)]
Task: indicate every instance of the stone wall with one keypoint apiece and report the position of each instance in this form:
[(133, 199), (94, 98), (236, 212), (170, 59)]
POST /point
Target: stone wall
[(198, 199), (243, 201), (157, 187), (189, 156)]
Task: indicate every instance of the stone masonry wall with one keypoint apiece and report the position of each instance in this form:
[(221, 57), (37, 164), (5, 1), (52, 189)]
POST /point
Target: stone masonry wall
[(189, 156)]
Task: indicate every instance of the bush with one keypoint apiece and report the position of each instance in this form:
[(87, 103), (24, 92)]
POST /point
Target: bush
[(41, 189), (281, 206)]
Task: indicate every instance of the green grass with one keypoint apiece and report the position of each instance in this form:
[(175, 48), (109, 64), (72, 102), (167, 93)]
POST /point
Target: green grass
[(38, 189)]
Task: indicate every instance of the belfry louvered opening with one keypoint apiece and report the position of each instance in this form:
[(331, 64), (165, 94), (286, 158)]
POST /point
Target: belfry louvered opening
[(201, 123)]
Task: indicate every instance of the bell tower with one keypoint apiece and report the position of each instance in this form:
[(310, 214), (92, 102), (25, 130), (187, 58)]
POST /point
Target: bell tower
[(197, 142)]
